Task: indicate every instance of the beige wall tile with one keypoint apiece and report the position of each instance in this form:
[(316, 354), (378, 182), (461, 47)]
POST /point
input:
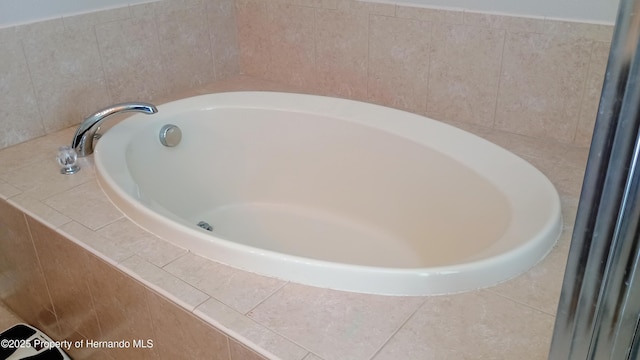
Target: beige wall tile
[(253, 37), (305, 3), (566, 179), (144, 10), (87, 22), (312, 357), (292, 45), (329, 4), (224, 38), (7, 317), (91, 240), (243, 83), (530, 147), (78, 100), (39, 29), (180, 335), (7, 190), (85, 352), (66, 271), (165, 283), (457, 327), (540, 287), (81, 204), (591, 100), (149, 247), (541, 85), (67, 75), (240, 352), (569, 210), (141, 52), (75, 65), (303, 314), (22, 284), (221, 281), (132, 59), (510, 23), (464, 73), (599, 32), (216, 312), (166, 7), (365, 7), (185, 48), (430, 15), (39, 210), (121, 306), (399, 62), (77, 281), (19, 116), (35, 150), (147, 51), (342, 52), (9, 34)]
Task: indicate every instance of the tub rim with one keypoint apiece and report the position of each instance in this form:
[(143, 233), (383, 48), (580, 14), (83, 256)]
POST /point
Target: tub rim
[(322, 273)]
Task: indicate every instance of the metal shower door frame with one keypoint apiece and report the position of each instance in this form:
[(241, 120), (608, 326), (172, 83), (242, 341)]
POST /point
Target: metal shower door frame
[(599, 306)]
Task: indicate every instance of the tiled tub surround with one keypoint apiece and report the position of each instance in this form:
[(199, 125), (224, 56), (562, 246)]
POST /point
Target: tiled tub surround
[(530, 85), (530, 76), (74, 266)]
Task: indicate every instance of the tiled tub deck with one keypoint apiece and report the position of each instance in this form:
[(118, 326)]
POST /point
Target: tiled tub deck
[(73, 265)]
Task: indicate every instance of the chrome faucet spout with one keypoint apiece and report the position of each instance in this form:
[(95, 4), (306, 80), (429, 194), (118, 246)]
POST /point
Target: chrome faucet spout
[(82, 141)]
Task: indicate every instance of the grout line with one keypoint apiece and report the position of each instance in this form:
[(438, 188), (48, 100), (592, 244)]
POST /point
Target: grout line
[(44, 278), (121, 262), (243, 339), (210, 21), (265, 299), (228, 341), (102, 67), (384, 344), (368, 89), (315, 83), (432, 29), (32, 88), (174, 260), (492, 291), (584, 92), (96, 230), (192, 311), (505, 33)]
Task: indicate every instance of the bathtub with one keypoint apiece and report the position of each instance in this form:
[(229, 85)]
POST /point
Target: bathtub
[(331, 193)]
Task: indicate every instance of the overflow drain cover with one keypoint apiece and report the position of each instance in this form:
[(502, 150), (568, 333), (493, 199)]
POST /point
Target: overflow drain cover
[(170, 135)]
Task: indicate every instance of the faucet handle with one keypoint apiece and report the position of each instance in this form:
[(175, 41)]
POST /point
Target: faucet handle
[(67, 158)]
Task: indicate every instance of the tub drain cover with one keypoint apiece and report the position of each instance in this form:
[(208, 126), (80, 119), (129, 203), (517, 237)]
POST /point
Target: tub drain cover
[(205, 225)]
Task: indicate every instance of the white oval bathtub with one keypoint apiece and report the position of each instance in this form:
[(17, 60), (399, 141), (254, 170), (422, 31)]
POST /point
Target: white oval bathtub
[(331, 192)]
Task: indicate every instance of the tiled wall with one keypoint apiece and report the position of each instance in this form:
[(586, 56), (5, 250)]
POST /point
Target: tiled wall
[(529, 76), (536, 77), (55, 73), (70, 294)]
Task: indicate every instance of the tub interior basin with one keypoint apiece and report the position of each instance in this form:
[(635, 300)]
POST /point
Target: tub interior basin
[(331, 192)]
